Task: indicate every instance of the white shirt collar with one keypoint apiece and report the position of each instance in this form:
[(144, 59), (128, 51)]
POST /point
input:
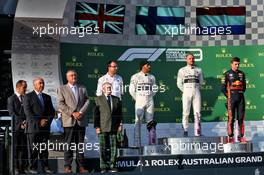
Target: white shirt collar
[(17, 94), (107, 95), (71, 86), (37, 92), (107, 74), (190, 67), (142, 73)]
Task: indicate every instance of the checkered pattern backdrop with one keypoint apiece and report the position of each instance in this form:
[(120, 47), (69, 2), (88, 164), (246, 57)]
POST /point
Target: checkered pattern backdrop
[(254, 24)]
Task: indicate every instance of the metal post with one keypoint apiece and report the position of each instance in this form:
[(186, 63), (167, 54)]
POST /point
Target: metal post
[(140, 147), (12, 145)]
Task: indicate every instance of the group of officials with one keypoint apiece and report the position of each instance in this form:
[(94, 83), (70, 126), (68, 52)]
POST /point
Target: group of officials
[(33, 112)]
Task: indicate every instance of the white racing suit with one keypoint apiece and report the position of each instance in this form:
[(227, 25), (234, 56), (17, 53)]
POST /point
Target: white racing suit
[(189, 81), (141, 90)]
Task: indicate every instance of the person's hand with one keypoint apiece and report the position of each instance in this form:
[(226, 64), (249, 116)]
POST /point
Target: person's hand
[(77, 115), (23, 125), (98, 130), (43, 122), (120, 128)]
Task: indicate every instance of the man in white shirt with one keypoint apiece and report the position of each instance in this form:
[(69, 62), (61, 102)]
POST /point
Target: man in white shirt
[(112, 77)]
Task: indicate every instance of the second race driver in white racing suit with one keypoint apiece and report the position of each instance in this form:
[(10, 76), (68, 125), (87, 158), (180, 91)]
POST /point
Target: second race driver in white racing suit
[(189, 81)]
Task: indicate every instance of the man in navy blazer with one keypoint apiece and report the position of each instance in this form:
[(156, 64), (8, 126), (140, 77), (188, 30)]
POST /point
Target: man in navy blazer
[(15, 109), (39, 113)]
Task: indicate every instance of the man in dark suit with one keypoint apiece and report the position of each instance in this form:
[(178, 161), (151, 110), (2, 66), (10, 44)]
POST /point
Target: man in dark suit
[(15, 109), (39, 113), (73, 102), (107, 121)]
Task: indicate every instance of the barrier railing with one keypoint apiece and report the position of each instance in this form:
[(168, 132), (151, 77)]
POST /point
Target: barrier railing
[(6, 148)]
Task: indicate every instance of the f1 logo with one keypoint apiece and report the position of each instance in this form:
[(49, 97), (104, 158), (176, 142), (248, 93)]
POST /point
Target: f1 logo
[(151, 54)]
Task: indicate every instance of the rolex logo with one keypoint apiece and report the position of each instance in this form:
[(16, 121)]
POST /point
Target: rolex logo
[(74, 62), (74, 58), (248, 102), (223, 54), (95, 52), (245, 60), (96, 71), (205, 103), (162, 104), (223, 50)]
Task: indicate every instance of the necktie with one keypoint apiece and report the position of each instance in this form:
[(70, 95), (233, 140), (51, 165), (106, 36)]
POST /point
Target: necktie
[(109, 102), (41, 100), (21, 98), (74, 89)]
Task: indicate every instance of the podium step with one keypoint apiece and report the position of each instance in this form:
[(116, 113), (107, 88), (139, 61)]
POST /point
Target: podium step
[(238, 147), (202, 139), (188, 146), (127, 152)]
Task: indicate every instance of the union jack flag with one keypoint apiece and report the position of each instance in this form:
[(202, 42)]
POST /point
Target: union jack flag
[(109, 18)]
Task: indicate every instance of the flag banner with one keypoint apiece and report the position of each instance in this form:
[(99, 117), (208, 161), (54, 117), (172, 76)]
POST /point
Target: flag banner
[(158, 20), (107, 17), (225, 20)]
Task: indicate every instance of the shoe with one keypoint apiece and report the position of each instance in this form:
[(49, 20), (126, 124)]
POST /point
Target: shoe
[(23, 171), (242, 140), (185, 134), (47, 170), (113, 170), (17, 171), (230, 140), (103, 171), (67, 170), (32, 171), (26, 170), (83, 170)]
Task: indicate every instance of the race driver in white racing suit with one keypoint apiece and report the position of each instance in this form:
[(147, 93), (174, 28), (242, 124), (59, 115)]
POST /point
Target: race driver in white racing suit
[(189, 81), (142, 89)]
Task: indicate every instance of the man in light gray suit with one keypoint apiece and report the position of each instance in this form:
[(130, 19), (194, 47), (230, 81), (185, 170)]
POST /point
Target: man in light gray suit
[(73, 103)]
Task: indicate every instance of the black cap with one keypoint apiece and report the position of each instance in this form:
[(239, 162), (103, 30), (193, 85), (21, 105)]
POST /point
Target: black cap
[(143, 63)]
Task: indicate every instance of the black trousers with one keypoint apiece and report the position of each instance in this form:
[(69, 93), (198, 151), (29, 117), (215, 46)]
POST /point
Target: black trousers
[(74, 136), (236, 110), (34, 152), (20, 150)]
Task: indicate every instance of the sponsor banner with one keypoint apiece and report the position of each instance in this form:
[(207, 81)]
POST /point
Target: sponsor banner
[(90, 63), (150, 163)]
